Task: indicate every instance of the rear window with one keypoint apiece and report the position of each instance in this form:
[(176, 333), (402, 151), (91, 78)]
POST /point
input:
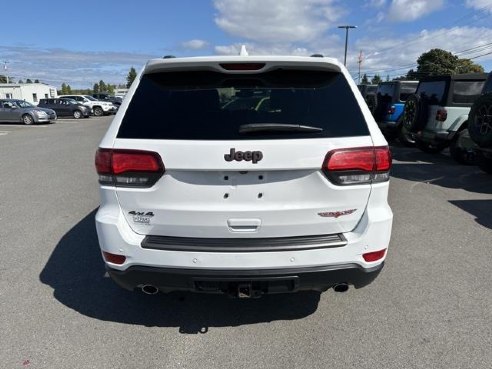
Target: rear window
[(466, 92), (433, 90), (206, 105), (406, 90), (386, 89)]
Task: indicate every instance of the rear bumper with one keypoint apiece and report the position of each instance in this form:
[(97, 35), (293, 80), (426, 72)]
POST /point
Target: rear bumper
[(260, 281), (435, 136), (388, 125)]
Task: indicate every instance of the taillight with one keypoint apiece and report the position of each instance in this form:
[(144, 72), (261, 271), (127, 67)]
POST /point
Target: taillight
[(391, 110), (128, 168), (374, 255), (441, 115), (358, 165)]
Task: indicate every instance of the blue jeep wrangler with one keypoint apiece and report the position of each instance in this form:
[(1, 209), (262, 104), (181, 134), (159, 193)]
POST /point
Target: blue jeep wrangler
[(390, 104)]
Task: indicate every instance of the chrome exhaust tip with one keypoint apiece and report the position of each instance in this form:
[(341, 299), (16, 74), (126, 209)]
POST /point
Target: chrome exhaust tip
[(149, 289)]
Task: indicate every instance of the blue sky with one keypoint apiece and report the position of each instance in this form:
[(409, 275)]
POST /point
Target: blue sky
[(82, 42)]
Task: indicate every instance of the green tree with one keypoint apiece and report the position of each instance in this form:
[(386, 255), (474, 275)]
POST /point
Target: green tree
[(20, 81), (36, 81), (28, 80), (441, 62), (96, 88), (102, 86), (64, 89), (376, 80), (3, 79), (387, 78), (110, 89), (132, 74), (365, 80), (69, 90), (467, 66)]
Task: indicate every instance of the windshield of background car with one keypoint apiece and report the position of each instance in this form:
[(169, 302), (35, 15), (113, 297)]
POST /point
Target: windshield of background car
[(466, 92), (433, 90), (90, 98), (387, 89), (23, 104), (207, 105)]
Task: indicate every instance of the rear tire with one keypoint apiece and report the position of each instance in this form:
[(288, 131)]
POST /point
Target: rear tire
[(27, 119), (430, 148), (459, 152), (98, 111), (480, 121), (77, 114), (405, 137)]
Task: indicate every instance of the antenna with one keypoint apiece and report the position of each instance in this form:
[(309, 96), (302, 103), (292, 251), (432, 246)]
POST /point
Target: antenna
[(5, 62), (243, 51)]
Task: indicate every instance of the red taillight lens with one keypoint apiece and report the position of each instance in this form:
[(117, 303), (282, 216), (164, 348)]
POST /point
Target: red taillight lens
[(113, 258), (358, 165), (242, 66), (441, 115), (128, 168), (374, 256)]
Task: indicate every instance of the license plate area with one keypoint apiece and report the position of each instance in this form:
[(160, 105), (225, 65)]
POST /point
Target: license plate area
[(246, 287)]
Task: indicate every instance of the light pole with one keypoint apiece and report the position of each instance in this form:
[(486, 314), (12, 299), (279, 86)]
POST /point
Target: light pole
[(346, 41)]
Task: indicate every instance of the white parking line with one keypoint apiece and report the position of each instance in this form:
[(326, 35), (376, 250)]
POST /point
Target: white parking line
[(4, 133), (21, 126)]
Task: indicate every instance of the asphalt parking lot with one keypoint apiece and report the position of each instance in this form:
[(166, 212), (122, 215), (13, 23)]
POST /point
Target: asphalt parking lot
[(431, 307)]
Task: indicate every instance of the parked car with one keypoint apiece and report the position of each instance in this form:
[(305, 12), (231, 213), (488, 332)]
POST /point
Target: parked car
[(13, 110), (369, 94), (391, 97), (480, 126), (107, 97), (98, 108), (437, 114), (66, 107), (243, 202)]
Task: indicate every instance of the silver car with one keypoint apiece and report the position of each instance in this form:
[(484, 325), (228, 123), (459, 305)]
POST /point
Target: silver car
[(12, 110)]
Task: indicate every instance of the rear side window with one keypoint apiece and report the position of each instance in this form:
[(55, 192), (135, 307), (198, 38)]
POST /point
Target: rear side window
[(206, 105), (433, 90), (406, 90), (466, 92)]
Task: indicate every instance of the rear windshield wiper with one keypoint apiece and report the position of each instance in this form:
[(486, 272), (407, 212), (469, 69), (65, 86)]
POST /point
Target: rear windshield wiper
[(277, 127)]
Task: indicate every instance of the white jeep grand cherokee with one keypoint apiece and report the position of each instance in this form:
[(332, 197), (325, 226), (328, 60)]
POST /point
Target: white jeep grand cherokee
[(284, 190)]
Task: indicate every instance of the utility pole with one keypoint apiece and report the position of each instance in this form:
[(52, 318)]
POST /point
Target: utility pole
[(5, 69), (346, 41), (360, 62)]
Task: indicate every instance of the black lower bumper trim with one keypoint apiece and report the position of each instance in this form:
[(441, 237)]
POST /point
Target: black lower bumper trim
[(260, 280)]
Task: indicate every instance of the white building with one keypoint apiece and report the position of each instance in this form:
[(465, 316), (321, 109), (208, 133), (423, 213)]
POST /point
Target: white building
[(30, 92), (120, 92)]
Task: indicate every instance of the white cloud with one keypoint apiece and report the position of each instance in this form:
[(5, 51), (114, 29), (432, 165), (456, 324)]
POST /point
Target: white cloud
[(195, 44), (274, 21), (409, 10), (376, 3), (386, 55), (480, 4), (79, 69)]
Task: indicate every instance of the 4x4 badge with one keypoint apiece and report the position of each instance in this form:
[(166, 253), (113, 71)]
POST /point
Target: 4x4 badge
[(254, 156), (336, 214)]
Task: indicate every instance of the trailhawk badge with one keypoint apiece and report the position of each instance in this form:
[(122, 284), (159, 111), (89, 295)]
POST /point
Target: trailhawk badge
[(141, 216), (336, 214)]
